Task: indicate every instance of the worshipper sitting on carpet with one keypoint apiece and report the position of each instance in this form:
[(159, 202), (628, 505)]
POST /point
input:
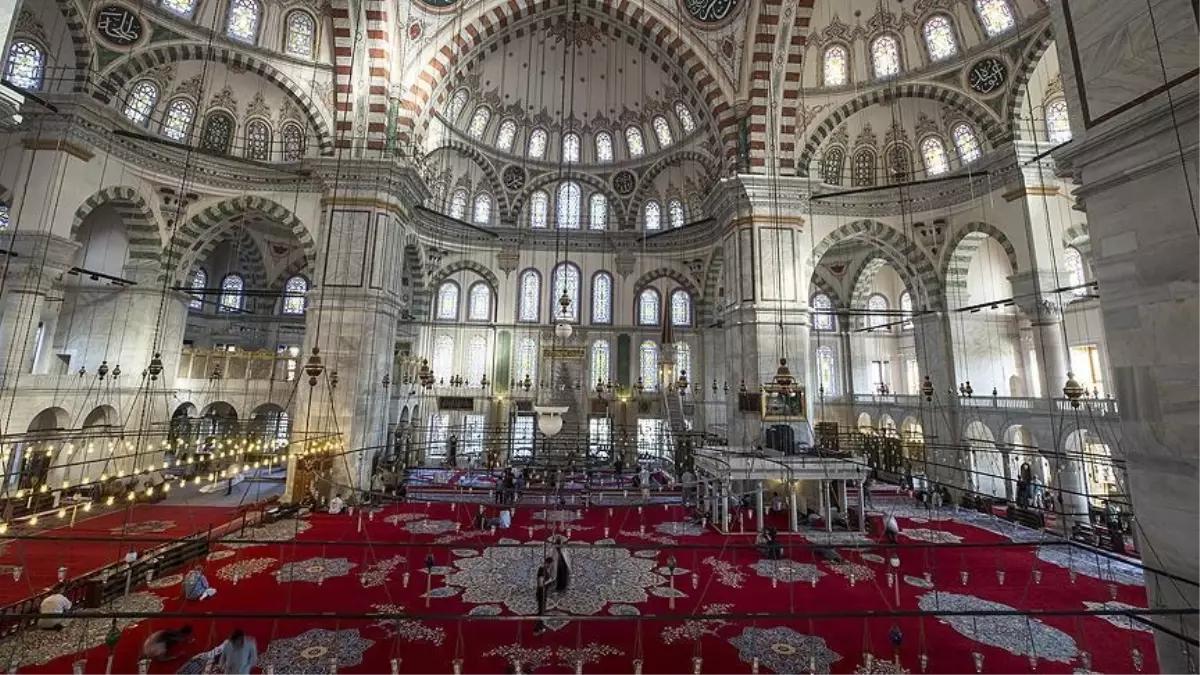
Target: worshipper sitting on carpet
[(195, 585), (891, 528), (57, 604), (204, 662), (160, 645), (238, 654), (336, 505)]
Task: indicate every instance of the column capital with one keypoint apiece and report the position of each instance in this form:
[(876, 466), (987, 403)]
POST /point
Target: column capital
[(1029, 290)]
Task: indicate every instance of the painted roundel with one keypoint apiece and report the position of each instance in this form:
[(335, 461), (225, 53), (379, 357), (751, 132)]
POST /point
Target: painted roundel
[(987, 76), (119, 25), (710, 11), (439, 4), (623, 183), (513, 177)]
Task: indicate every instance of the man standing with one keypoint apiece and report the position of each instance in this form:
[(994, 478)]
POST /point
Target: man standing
[(238, 654), (545, 580), (892, 528)]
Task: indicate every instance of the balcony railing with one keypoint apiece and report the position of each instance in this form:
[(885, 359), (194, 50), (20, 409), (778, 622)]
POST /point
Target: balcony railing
[(1102, 407)]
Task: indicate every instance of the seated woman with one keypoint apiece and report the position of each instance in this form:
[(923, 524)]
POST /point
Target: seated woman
[(195, 585)]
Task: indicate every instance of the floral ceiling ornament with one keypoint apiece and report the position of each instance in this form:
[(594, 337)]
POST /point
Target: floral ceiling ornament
[(784, 650), (311, 652)]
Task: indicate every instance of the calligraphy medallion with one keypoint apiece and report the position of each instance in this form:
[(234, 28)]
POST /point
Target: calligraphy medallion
[(119, 26), (710, 11), (987, 76)]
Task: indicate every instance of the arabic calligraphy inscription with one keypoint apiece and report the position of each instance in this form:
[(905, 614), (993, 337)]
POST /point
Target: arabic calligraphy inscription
[(987, 76), (119, 25)]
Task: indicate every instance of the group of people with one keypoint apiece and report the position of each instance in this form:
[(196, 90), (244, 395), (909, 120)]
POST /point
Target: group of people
[(502, 520)]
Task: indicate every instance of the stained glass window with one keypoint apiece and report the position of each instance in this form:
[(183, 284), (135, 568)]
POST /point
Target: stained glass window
[(566, 278), (1073, 265), (662, 131), (301, 34), (529, 302), (527, 359), (598, 212), (675, 213), (295, 295), (479, 302), (864, 168), (821, 309), (837, 66), (885, 56), (567, 208), (933, 154), (537, 143), (231, 293), (141, 102), (506, 135), (570, 148), (652, 216), (242, 20), (831, 168), (600, 360), (443, 358), (683, 360), (482, 213), (633, 139), (476, 360), (199, 283), (878, 306), (995, 15), (177, 125), (447, 301), (1058, 123), (258, 140), (293, 142), (966, 142), (826, 372), (458, 204), (906, 310), (183, 8), (217, 134), (648, 363), (479, 122), (604, 147), (539, 209), (457, 103), (686, 121), (939, 38), (4, 222), (648, 307), (26, 65), (602, 297), (681, 308), (899, 162)]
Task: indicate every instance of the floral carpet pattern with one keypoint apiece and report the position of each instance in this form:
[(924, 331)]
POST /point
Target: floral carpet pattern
[(36, 647), (280, 530), (1117, 620), (377, 572), (314, 570), (431, 526), (409, 630), (726, 573), (680, 528), (1092, 565), (784, 650), (316, 651), (145, 527), (165, 582), (557, 516), (398, 518), (932, 536), (1014, 634), (244, 569), (787, 571)]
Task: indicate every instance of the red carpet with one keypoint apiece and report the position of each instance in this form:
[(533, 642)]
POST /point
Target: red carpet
[(475, 573)]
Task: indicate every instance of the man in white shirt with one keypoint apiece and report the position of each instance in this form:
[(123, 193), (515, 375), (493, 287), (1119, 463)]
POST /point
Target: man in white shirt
[(892, 528), (56, 603), (336, 505), (505, 519)]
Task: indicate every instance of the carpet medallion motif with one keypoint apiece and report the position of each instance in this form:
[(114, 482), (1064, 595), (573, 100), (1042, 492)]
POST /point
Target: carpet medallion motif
[(932, 536), (165, 582), (431, 526), (280, 530), (398, 518), (145, 527), (313, 651), (1014, 634), (557, 516), (314, 570), (783, 650), (1117, 620), (680, 528), (1092, 565), (243, 569), (787, 571)]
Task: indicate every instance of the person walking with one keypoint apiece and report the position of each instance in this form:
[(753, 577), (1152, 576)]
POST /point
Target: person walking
[(238, 654)]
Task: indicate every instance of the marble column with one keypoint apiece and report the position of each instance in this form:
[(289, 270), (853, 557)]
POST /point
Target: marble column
[(793, 508), (758, 505)]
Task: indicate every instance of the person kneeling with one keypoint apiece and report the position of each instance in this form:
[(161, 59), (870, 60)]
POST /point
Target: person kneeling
[(195, 585), (55, 604)]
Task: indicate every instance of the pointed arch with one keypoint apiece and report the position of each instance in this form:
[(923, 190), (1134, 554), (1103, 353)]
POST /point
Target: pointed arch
[(196, 238), (910, 262), (970, 237), (145, 241), (469, 266)]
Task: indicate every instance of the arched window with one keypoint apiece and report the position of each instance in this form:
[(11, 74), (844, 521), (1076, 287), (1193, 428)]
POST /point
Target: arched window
[(906, 310), (443, 357), (597, 211), (648, 362), (899, 163), (217, 134), (26, 65), (995, 15), (539, 209), (457, 103), (199, 283), (683, 360), (482, 213), (649, 305), (567, 207), (566, 281), (476, 360), (602, 297), (1073, 265), (652, 216), (295, 295), (447, 302), (864, 168), (570, 148), (231, 293), (184, 8), (826, 370), (479, 122), (662, 131), (4, 221), (458, 204), (836, 66), (832, 166), (506, 135), (600, 361), (258, 140), (966, 142), (877, 306), (686, 121), (821, 309), (1058, 123), (293, 142), (675, 213), (537, 143), (177, 125), (241, 23), (141, 102), (604, 147), (939, 38), (529, 300), (301, 34), (681, 308), (885, 56), (479, 302), (527, 359), (633, 139), (933, 154)]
